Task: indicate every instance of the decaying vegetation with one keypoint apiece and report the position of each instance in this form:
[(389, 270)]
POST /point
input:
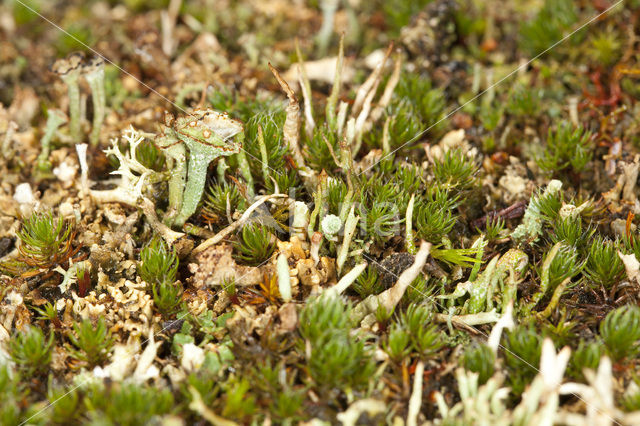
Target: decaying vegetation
[(246, 212)]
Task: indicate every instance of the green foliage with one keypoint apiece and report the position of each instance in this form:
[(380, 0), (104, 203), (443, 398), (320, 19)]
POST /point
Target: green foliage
[(205, 383), (92, 344), (604, 267), (246, 109), (408, 178), (44, 241), (286, 181), (479, 359), (31, 351), (65, 404), (494, 228), (287, 403), (229, 286), (255, 244), (381, 221), (316, 149), (569, 230), (523, 101), (465, 257), (167, 297), (398, 14), (490, 116), (271, 120), (522, 348), (322, 314), (567, 148), (11, 395), (565, 264), (48, 312), (631, 402), (433, 217), (239, 402), (428, 102), (586, 356), (278, 386), (632, 243), (548, 205), (605, 47), (150, 156), (562, 333), (337, 359), (455, 171), (336, 195), (368, 283), (386, 188), (404, 125), (551, 23), (158, 264), (425, 337), (620, 332), (397, 345), (216, 198), (128, 404), (419, 291)]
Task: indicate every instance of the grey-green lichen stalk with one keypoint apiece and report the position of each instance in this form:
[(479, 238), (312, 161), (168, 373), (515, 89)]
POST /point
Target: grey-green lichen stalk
[(208, 135), (94, 74), (69, 70)]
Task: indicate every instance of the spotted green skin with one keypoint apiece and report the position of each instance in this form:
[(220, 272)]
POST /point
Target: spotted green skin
[(208, 135)]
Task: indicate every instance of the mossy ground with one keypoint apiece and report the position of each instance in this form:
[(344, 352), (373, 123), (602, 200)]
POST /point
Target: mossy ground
[(299, 290)]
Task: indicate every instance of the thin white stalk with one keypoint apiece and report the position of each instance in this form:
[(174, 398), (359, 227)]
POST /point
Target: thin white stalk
[(284, 279), (415, 401), (330, 110), (471, 319), (348, 279), (81, 150), (342, 117), (385, 99), (411, 245), (372, 80), (391, 297), (314, 251), (349, 228), (291, 128)]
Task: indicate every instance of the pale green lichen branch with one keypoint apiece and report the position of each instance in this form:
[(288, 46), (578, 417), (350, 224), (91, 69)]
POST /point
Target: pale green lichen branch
[(94, 74), (55, 118)]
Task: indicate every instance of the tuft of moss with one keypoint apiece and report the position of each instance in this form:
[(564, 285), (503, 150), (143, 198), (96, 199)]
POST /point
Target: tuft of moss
[(521, 349), (158, 264), (479, 359), (45, 241), (90, 343), (620, 332), (336, 359), (567, 148), (31, 350), (255, 244)]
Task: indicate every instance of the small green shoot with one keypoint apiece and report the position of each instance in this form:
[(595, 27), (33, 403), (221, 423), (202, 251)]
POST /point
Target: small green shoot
[(256, 243), (91, 344), (45, 241), (158, 264), (31, 351), (479, 359), (620, 332)]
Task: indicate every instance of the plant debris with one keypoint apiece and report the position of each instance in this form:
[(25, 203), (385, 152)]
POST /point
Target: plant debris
[(244, 212)]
